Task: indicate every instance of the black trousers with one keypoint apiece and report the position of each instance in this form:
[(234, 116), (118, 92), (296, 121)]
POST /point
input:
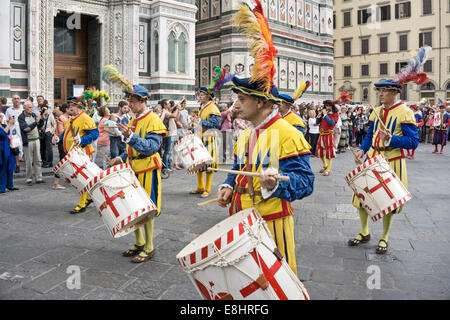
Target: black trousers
[(46, 148), (313, 138)]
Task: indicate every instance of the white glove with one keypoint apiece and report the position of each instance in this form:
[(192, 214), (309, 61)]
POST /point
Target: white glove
[(77, 139), (267, 193)]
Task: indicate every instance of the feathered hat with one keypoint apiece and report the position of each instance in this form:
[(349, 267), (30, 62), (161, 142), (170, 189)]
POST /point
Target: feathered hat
[(344, 98), (304, 85), (409, 73), (442, 104), (95, 94), (113, 77), (218, 82), (413, 106), (77, 100), (254, 25)]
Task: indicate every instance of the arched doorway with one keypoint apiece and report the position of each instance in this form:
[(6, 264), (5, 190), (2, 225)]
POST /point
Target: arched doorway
[(428, 91)]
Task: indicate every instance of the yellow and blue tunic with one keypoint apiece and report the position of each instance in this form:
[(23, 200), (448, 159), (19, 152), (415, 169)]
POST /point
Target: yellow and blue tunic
[(277, 145), (142, 153), (210, 123), (81, 125), (400, 121), (85, 127), (295, 121)]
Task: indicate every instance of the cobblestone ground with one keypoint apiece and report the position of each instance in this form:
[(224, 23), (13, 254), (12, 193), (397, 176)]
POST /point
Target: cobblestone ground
[(40, 240)]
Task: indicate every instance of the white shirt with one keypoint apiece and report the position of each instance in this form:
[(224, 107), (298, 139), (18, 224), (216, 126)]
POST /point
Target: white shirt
[(339, 123), (13, 112), (96, 118), (51, 123), (313, 128)]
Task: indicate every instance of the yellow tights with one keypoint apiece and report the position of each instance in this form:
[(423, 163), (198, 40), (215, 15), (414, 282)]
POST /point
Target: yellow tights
[(387, 223), (326, 165), (147, 242), (201, 183)]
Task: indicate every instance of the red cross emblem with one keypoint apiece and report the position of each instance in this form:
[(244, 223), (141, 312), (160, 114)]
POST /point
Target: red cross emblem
[(189, 152), (79, 170), (266, 278), (109, 201), (383, 184)]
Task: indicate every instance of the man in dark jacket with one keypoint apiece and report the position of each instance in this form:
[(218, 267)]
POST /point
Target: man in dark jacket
[(29, 126)]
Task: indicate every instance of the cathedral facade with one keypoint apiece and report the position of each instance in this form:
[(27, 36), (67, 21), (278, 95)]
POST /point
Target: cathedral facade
[(302, 32), (55, 48)]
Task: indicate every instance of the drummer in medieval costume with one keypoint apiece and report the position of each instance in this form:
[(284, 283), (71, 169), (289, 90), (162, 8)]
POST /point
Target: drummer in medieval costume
[(143, 136), (285, 108), (442, 122), (209, 125), (270, 146), (398, 131), (79, 130)]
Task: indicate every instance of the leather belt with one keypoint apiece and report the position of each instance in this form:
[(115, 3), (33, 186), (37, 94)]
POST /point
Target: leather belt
[(139, 157), (383, 149), (242, 190)]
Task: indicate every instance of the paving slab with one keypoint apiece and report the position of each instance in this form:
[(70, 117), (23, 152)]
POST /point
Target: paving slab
[(40, 240)]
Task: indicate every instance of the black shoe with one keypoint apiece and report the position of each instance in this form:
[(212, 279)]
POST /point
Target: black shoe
[(47, 165), (17, 170), (13, 189), (78, 209), (88, 202), (40, 181)]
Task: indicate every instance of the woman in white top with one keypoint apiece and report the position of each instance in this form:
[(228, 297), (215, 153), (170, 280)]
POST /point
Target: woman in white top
[(313, 131)]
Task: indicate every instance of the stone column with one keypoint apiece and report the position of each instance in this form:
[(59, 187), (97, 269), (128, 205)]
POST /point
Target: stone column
[(5, 59), (33, 50)]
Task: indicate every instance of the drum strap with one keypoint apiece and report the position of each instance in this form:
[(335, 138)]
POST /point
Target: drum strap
[(72, 132), (242, 190), (139, 157), (248, 166), (382, 149)]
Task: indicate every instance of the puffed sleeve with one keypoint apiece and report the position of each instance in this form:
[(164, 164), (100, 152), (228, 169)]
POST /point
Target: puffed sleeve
[(294, 162)]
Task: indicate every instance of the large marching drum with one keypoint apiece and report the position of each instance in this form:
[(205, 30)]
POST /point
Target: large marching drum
[(77, 169), (120, 199), (237, 259), (193, 153), (378, 188)]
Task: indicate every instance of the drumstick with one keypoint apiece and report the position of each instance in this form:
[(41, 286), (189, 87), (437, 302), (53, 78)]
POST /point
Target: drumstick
[(354, 154), (106, 157), (245, 173), (381, 121), (115, 127), (207, 202)]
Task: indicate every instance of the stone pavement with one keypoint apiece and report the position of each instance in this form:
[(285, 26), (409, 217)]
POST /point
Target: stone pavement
[(40, 240)]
